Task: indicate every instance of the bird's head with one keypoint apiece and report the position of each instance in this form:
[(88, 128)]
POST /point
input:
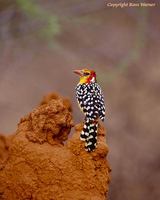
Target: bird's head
[(86, 76)]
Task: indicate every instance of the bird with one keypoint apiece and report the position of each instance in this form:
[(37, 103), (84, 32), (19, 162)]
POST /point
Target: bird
[(91, 102)]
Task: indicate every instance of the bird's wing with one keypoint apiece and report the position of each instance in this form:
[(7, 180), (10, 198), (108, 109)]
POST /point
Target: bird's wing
[(91, 101), (101, 104)]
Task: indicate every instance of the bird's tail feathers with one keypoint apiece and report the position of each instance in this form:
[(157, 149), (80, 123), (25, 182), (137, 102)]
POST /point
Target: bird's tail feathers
[(91, 141), (85, 131), (89, 134)]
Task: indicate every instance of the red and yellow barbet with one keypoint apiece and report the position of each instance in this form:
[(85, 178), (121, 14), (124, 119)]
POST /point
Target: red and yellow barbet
[(90, 99)]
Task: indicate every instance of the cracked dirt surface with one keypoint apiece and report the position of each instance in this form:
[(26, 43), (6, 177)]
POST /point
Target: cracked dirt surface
[(39, 162)]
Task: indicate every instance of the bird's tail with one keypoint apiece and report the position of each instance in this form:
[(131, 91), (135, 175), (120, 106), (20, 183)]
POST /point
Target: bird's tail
[(91, 141), (85, 131), (89, 134)]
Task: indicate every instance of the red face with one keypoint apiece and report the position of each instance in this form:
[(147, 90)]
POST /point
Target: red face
[(91, 77)]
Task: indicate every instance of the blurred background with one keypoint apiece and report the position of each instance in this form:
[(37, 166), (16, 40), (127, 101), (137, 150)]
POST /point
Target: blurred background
[(41, 42)]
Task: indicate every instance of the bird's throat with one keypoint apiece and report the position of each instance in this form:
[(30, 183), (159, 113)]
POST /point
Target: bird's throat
[(84, 80)]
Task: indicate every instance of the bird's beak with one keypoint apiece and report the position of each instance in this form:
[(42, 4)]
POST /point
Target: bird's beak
[(79, 72)]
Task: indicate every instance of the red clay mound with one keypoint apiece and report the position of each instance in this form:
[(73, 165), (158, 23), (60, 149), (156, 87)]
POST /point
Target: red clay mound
[(40, 166), (4, 145)]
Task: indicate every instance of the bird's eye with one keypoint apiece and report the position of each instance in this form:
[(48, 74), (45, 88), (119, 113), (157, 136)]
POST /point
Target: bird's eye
[(86, 74)]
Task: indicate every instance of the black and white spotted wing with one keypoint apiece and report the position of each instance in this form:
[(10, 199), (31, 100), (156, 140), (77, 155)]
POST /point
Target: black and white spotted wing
[(91, 101)]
